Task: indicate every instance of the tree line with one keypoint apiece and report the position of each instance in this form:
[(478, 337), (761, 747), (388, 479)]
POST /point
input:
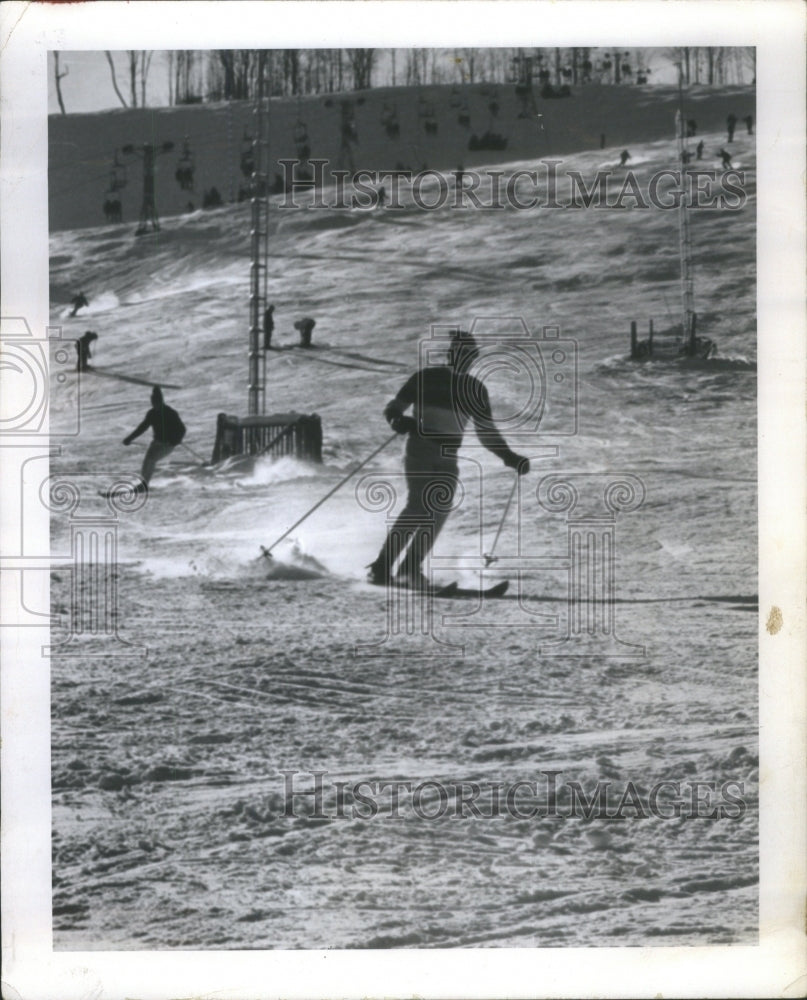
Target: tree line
[(195, 77)]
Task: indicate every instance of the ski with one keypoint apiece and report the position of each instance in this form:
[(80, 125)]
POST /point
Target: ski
[(497, 590), (453, 589), (106, 373), (441, 590)]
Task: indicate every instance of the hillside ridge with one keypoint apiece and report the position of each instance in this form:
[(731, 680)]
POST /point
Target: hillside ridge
[(438, 127)]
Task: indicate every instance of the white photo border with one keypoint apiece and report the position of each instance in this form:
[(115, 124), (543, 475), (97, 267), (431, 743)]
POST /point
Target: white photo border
[(31, 969)]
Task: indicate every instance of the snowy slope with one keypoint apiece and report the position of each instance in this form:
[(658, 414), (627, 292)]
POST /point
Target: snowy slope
[(249, 673)]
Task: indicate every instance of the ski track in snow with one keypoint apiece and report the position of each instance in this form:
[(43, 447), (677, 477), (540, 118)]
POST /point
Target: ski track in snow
[(168, 825)]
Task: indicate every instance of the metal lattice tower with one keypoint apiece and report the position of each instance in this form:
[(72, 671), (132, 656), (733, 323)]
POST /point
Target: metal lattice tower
[(259, 248), (684, 240)]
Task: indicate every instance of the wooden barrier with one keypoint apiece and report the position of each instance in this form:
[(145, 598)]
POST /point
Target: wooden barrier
[(276, 434)]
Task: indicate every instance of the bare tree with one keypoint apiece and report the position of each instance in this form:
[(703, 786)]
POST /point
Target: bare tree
[(58, 77), (114, 80), (361, 62), (132, 58), (145, 65), (470, 58)]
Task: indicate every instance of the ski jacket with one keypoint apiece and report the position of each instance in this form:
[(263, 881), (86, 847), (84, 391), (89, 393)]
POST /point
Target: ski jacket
[(444, 402), (166, 424)]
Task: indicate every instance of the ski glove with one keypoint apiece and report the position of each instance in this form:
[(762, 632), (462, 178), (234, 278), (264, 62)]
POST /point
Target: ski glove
[(397, 421), (518, 462), (403, 425)]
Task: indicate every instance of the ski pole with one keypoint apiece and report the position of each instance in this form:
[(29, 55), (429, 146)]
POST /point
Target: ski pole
[(195, 454), (330, 493), (489, 556)]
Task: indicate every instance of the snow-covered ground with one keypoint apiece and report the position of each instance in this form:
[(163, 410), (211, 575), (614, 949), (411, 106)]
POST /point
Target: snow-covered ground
[(167, 792)]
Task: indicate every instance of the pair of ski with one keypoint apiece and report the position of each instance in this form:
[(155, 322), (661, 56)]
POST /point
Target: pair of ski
[(452, 589)]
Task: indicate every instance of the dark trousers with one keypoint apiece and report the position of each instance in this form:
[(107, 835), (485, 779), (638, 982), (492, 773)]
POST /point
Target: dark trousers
[(156, 451), (431, 480)]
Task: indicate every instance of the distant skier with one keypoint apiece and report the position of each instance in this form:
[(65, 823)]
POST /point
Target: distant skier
[(726, 158), (168, 431), (731, 124), (444, 399), (83, 350), (624, 156), (268, 327), (79, 302), (749, 123), (699, 150), (305, 328), (692, 128)]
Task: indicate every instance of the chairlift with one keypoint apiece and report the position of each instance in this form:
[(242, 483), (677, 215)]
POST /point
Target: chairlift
[(117, 175), (185, 167), (300, 132), (425, 108), (186, 160), (389, 119), (247, 154)]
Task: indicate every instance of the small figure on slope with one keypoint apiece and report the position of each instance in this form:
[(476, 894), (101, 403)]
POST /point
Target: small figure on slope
[(168, 431), (305, 328), (79, 302), (83, 350), (268, 327)]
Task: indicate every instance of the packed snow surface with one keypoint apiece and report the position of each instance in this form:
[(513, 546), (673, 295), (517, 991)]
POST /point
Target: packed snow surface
[(168, 824)]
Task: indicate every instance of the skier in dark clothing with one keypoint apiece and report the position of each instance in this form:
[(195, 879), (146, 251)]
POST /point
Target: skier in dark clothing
[(168, 431), (305, 328), (699, 150), (624, 156), (444, 399), (268, 327), (78, 302), (731, 124), (83, 350), (726, 158), (749, 123)]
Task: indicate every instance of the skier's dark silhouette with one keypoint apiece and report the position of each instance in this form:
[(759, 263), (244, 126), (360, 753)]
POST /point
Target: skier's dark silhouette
[(731, 124), (168, 431), (305, 327), (624, 156), (79, 302), (268, 327), (444, 400), (726, 158), (83, 350), (749, 123), (699, 150)]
